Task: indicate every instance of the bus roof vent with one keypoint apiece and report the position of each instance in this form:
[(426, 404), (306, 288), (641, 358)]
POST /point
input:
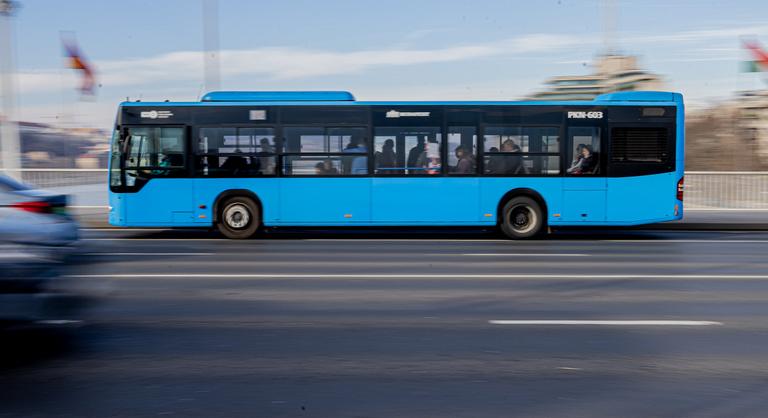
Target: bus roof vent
[(638, 96), (278, 96)]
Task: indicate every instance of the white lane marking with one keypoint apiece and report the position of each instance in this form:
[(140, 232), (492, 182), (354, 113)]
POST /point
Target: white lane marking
[(691, 241), (147, 254), (425, 276), (125, 229), (644, 322), (17, 255), (154, 239), (416, 240), (517, 255)]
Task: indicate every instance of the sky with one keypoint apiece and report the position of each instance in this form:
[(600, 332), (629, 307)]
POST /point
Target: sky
[(378, 50)]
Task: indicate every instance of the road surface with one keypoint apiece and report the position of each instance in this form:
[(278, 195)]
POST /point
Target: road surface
[(410, 324)]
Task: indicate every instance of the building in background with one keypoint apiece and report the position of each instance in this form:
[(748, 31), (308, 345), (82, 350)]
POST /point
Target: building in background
[(611, 73), (47, 146), (752, 112)]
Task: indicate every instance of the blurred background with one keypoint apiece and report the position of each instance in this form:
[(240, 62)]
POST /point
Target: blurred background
[(181, 322), (65, 69)]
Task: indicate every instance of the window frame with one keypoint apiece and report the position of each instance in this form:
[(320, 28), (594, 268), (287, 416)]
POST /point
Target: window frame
[(446, 171), (602, 154), (194, 144), (282, 154), (443, 139), (561, 129), (141, 180)]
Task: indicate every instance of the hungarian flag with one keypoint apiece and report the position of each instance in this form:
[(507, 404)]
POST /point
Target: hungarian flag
[(760, 57), (76, 61)]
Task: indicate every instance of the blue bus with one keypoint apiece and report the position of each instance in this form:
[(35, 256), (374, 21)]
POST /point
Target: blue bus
[(241, 161)]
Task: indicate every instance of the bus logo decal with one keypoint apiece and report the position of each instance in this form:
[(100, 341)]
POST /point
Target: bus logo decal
[(157, 114), (585, 115), (257, 115), (396, 114)]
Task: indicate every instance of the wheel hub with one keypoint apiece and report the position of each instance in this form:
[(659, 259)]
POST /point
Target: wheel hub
[(237, 216)]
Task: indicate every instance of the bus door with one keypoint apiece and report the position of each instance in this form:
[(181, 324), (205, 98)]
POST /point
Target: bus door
[(155, 171), (584, 185)]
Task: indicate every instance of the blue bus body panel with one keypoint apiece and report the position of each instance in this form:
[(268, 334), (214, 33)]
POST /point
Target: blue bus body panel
[(161, 202), (639, 199), (324, 201), (379, 201), (425, 201)]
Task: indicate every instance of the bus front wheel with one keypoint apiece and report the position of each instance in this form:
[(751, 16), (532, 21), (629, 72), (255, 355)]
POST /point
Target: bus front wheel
[(522, 217), (239, 218)]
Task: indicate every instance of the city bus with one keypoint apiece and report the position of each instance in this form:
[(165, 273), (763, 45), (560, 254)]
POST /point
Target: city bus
[(243, 161)]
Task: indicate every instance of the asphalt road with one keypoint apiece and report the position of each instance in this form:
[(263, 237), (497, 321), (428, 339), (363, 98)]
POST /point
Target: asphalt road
[(413, 324)]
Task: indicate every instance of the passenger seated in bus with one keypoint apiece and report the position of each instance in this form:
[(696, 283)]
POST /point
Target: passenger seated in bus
[(586, 163), (267, 163), (417, 156), (466, 163), (577, 155), (386, 158), (493, 165), (512, 164), (326, 168), (235, 165)]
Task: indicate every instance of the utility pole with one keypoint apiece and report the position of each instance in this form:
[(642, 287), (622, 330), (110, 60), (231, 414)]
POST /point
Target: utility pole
[(609, 27), (9, 130), (211, 44)]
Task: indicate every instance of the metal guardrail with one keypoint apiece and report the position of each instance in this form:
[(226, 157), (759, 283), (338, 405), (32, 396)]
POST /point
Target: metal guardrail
[(704, 190), (47, 178), (726, 190)]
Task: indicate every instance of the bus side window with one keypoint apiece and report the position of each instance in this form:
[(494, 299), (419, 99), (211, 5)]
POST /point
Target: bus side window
[(462, 150), (584, 151)]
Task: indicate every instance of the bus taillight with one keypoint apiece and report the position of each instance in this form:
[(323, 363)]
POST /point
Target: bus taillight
[(680, 188)]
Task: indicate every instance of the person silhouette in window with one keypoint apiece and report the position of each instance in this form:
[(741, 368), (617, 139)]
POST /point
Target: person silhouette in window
[(466, 163), (359, 165), (417, 158), (512, 164), (386, 158), (586, 163)]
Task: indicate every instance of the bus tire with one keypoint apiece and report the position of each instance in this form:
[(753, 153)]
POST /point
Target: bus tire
[(522, 218), (239, 218)]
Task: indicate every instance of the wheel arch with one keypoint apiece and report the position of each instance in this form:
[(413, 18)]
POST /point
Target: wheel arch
[(522, 191), (236, 193)]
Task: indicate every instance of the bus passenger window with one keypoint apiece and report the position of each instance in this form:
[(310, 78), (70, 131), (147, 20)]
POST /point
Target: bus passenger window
[(584, 151), (322, 151), (521, 151), (462, 150), (236, 152), (407, 150)]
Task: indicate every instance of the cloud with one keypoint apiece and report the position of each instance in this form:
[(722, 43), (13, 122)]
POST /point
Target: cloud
[(287, 63)]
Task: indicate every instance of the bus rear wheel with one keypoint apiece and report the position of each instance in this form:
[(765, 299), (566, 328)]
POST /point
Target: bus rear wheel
[(239, 218), (522, 218)]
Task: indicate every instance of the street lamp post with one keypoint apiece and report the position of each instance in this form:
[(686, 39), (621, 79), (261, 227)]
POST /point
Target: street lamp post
[(9, 132)]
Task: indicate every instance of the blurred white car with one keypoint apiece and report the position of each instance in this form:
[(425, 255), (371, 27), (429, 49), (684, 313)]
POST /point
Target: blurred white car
[(33, 216), (35, 233)]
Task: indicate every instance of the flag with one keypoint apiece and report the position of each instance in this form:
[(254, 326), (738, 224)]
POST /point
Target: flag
[(76, 61), (760, 61)]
